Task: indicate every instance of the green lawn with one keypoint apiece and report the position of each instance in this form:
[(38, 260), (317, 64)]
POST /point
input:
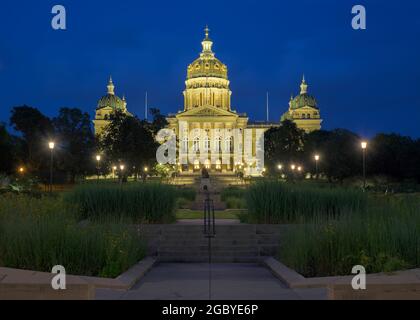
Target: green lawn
[(192, 214)]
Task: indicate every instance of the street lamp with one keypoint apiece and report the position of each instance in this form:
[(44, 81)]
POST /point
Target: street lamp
[(293, 167), (21, 170), (364, 145), (114, 168), (280, 167), (317, 157), (51, 145), (122, 167), (98, 159), (299, 169)]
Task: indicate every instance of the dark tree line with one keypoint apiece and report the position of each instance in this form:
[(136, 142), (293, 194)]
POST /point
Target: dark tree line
[(128, 140), (391, 155)]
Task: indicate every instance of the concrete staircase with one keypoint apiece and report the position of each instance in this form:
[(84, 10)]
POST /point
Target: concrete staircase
[(232, 243)]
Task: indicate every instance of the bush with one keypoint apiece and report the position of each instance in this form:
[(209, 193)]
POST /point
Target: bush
[(37, 234), (235, 203), (136, 202), (384, 238), (278, 202), (186, 193)]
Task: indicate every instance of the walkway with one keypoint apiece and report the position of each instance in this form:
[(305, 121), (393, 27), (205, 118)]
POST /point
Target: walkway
[(189, 281)]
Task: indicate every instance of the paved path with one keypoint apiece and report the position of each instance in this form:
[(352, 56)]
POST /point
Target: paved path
[(189, 281)]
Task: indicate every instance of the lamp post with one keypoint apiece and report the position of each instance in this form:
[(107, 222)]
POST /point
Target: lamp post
[(122, 167), (317, 157), (21, 170), (114, 168), (364, 147), (98, 159), (280, 168), (51, 145), (145, 170)]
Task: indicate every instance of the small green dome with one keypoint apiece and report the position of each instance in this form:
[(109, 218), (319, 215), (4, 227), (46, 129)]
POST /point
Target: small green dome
[(303, 100), (110, 100)]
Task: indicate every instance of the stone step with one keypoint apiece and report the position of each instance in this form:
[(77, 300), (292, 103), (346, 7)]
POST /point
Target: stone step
[(204, 242), (223, 253), (214, 259), (221, 228), (215, 247)]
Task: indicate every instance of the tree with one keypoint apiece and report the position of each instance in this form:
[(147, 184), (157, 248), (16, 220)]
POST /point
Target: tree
[(8, 151), (159, 120), (77, 142), (130, 141), (283, 144), (36, 130), (341, 154), (395, 156)]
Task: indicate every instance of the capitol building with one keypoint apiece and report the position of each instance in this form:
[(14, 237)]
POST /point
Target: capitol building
[(207, 108)]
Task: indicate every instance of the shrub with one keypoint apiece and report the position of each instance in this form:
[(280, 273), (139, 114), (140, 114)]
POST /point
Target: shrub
[(186, 193), (235, 203), (136, 202)]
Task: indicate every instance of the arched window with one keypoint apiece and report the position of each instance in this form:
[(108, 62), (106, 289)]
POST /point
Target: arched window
[(218, 145), (207, 144), (185, 145), (196, 144), (228, 144)]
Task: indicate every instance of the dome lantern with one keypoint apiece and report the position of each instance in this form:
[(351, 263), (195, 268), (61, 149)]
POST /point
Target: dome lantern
[(110, 86), (207, 43), (303, 86)]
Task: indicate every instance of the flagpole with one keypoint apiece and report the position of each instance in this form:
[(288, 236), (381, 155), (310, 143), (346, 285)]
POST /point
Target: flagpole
[(267, 109), (145, 107)]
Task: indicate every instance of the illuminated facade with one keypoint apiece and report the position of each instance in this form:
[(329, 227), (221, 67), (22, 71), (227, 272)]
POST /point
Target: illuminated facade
[(207, 108)]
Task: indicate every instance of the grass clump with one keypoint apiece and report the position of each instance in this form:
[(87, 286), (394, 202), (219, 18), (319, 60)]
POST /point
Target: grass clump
[(275, 202), (38, 233), (136, 202), (384, 238)]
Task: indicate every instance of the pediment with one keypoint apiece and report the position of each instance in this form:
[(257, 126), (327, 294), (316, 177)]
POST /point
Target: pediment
[(207, 111)]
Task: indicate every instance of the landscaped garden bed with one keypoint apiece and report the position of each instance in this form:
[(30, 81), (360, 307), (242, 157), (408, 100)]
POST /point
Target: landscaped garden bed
[(87, 230), (337, 228)]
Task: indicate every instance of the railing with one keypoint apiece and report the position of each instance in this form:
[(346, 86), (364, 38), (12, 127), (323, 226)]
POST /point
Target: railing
[(209, 228)]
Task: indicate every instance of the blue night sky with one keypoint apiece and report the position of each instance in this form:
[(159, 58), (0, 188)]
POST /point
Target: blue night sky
[(365, 81)]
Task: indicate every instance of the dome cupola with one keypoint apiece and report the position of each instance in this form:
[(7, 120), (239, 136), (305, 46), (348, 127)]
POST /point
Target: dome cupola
[(110, 99)]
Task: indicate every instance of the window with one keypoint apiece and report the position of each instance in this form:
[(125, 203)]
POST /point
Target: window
[(228, 144), (207, 164), (207, 144), (218, 144), (185, 145), (196, 144)]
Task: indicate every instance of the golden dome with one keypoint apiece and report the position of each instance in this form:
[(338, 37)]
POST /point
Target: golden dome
[(207, 65)]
